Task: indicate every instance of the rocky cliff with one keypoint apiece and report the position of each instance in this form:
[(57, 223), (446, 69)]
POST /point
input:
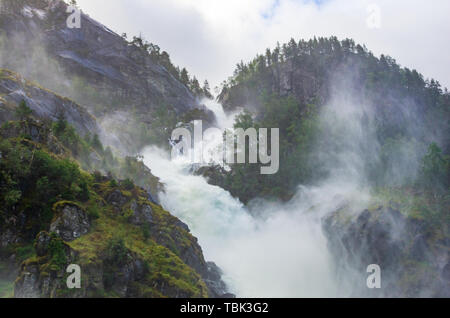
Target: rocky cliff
[(44, 104), (102, 58), (53, 189), (413, 256), (163, 260), (344, 113), (121, 82), (54, 214), (290, 78)]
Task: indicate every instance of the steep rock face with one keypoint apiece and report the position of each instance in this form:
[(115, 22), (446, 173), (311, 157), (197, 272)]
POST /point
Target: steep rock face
[(133, 267), (45, 104), (36, 132), (412, 261), (40, 277), (171, 233), (71, 222), (213, 279), (289, 78), (118, 269), (124, 242), (142, 214), (122, 84), (108, 64)]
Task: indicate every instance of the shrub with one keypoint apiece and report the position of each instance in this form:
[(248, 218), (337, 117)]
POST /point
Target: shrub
[(23, 111), (113, 183), (146, 231), (435, 172), (128, 184), (56, 251), (24, 252), (93, 212), (116, 251)]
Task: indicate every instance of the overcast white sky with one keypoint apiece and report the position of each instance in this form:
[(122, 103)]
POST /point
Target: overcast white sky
[(209, 37)]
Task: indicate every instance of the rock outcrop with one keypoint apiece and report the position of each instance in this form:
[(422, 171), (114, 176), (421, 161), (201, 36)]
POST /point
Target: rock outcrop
[(43, 276), (117, 268), (120, 82), (103, 59), (141, 214), (412, 260), (290, 78), (171, 233), (45, 104), (71, 222), (125, 243)]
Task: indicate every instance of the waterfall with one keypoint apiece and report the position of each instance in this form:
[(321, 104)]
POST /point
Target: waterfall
[(280, 253)]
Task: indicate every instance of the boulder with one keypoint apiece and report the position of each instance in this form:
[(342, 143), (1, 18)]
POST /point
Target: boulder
[(27, 286), (42, 242), (213, 280), (399, 244), (116, 198), (71, 223), (9, 237), (141, 214)]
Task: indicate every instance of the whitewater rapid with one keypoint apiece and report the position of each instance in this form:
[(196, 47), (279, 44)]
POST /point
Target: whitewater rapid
[(283, 253), (280, 253)]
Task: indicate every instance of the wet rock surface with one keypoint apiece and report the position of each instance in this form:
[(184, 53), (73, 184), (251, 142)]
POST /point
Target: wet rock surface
[(42, 243), (213, 279), (44, 104), (412, 263), (124, 77), (100, 56), (117, 270)]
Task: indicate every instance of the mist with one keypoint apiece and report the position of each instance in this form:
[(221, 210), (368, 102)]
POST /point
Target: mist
[(268, 248), (274, 249), (283, 254), (26, 55)]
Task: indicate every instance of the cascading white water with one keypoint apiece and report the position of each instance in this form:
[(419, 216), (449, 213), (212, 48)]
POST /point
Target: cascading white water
[(283, 254), (280, 253)]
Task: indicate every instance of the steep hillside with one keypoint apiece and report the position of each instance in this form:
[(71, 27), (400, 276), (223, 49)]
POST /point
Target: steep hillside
[(54, 214), (355, 130), (305, 88), (109, 75), (348, 117), (62, 201), (45, 104), (406, 233), (104, 60)]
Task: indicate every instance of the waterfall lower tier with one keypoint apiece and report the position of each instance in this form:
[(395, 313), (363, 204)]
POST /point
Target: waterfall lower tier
[(281, 253)]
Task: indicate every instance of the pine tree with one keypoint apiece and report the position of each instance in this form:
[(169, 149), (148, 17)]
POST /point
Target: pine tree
[(276, 53), (185, 77), (207, 90), (60, 125), (269, 57), (97, 144), (23, 111), (195, 87)]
